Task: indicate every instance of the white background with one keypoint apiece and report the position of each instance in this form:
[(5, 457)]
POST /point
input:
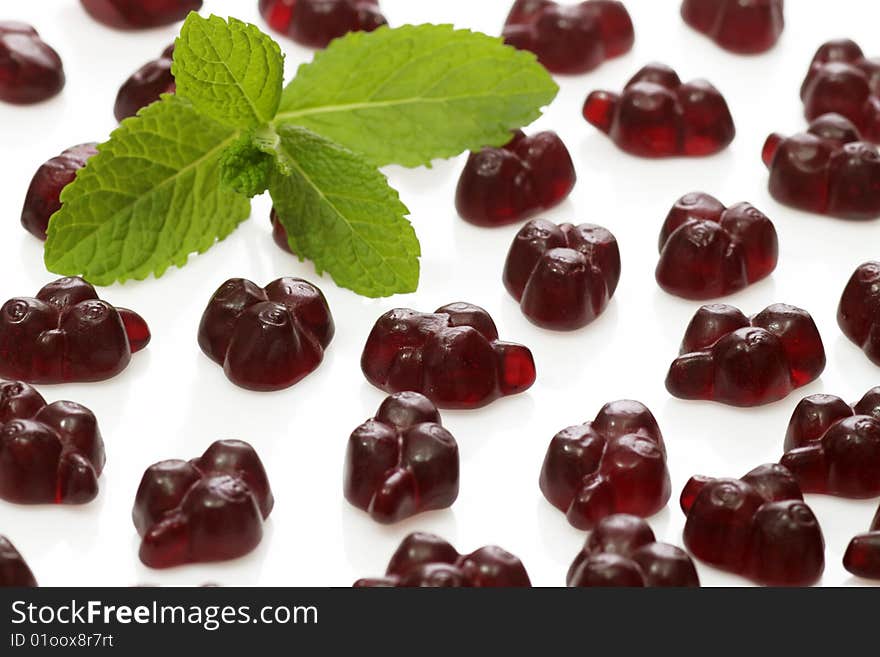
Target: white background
[(172, 401)]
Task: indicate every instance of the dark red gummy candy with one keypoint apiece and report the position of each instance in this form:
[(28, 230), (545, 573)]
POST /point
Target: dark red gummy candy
[(622, 551), (862, 556), (842, 80), (659, 116), (44, 194), (279, 232), (66, 333), (145, 85), (208, 509), (49, 454), (729, 358), (402, 461), (315, 23), (827, 169), (834, 448), (570, 38), (562, 276), (13, 569), (452, 356), (504, 185), (741, 26), (758, 527), (139, 14), (427, 560), (30, 70), (858, 314), (614, 464), (266, 338), (709, 251)]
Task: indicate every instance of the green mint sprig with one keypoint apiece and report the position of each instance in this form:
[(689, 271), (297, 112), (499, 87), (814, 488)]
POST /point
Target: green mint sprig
[(176, 178)]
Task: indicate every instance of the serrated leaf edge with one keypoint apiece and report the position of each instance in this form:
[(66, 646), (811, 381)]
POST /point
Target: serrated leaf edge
[(138, 272), (290, 162)]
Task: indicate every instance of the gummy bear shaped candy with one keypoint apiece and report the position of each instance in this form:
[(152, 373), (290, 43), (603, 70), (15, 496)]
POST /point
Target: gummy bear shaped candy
[(834, 448), (30, 70), (208, 509), (266, 338), (729, 358), (570, 38), (858, 314), (614, 464), (827, 170), (562, 276), (709, 251), (452, 356), (862, 556), (504, 185), (622, 551), (427, 560), (742, 26), (315, 23), (145, 85), (757, 526), (659, 116), (139, 14), (842, 80), (13, 569), (67, 334), (402, 461), (49, 454), (43, 197)]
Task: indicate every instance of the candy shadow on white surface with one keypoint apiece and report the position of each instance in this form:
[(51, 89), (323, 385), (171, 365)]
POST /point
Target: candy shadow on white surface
[(369, 544)]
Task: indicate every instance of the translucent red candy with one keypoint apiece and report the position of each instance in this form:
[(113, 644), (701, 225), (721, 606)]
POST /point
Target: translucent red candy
[(842, 80), (729, 358), (13, 569), (741, 26), (827, 170), (43, 197), (858, 314), (614, 464), (279, 232), (757, 526), (30, 70), (570, 38), (427, 560), (49, 454), (452, 356), (659, 116), (562, 276), (266, 338), (208, 509), (500, 186), (67, 334), (709, 251), (862, 556), (139, 14), (834, 448), (622, 551), (145, 85), (402, 461), (316, 23)]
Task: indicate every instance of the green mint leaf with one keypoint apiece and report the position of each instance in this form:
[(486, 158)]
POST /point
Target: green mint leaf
[(245, 167), (340, 212), (229, 71), (149, 198), (414, 93)]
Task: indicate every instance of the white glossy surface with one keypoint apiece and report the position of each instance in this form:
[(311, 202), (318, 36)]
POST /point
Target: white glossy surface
[(172, 401)]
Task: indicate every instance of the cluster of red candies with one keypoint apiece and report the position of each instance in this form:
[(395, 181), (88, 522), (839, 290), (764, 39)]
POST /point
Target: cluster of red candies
[(606, 474)]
